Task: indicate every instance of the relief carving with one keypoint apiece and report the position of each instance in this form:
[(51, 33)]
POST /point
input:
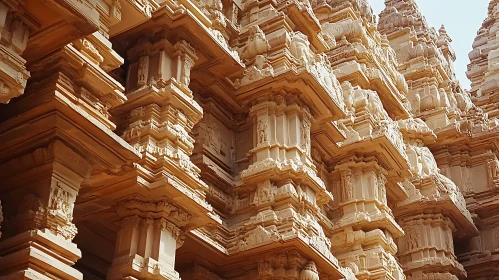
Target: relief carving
[(262, 131), (264, 194), (261, 69), (258, 237), (257, 43), (167, 210), (61, 201), (306, 135), (143, 71), (413, 239), (214, 136), (348, 184), (449, 241), (492, 170)]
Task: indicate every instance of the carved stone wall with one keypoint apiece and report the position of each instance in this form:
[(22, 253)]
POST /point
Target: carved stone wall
[(221, 139)]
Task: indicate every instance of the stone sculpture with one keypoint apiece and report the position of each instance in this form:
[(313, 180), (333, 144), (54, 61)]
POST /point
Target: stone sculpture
[(271, 140)]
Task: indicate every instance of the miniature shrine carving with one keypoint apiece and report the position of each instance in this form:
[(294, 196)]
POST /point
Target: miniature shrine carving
[(231, 140)]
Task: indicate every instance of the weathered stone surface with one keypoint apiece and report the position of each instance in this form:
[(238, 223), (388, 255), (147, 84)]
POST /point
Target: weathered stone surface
[(220, 139)]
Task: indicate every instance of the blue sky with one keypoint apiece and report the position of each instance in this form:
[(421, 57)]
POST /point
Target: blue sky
[(462, 19)]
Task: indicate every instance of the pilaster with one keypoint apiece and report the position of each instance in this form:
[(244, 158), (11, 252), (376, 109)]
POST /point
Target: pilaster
[(38, 231), (149, 235), (163, 196), (280, 178), (365, 228), (428, 243), (427, 249)]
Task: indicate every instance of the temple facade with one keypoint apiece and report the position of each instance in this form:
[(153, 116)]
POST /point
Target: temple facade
[(245, 140)]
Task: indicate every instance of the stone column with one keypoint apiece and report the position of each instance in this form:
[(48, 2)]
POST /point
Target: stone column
[(283, 191), (428, 243), (150, 234), (41, 188), (364, 237), (427, 249)]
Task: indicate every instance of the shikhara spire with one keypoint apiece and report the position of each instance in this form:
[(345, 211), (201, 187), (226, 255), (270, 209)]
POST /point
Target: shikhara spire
[(210, 139)]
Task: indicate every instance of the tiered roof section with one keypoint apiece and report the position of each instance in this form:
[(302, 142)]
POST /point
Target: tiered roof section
[(425, 59), (240, 139), (479, 254)]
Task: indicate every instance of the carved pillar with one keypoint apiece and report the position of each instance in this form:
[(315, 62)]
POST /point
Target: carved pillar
[(284, 121), (42, 187), (428, 242), (149, 235), (160, 111), (282, 191), (364, 237), (14, 36), (158, 117), (427, 249)]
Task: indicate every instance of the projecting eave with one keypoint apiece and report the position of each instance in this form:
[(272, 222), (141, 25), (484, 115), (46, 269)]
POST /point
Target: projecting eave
[(135, 12), (390, 96), (187, 22), (481, 265), (445, 205), (170, 92), (57, 119), (454, 137), (323, 106), (137, 183), (310, 26), (389, 157), (228, 264), (63, 21)]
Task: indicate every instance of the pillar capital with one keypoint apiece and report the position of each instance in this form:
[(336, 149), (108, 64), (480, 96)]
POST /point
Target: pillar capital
[(150, 233), (42, 187)]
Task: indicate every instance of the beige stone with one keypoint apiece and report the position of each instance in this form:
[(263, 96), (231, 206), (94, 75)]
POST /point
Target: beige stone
[(210, 139)]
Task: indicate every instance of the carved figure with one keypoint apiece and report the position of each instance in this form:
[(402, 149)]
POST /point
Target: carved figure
[(256, 44), (413, 239), (492, 170), (347, 181), (300, 48), (60, 201), (262, 131), (449, 241), (186, 73), (305, 136), (143, 70), (416, 103)]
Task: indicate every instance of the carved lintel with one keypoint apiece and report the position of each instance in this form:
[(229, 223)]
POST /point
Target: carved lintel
[(159, 210)]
